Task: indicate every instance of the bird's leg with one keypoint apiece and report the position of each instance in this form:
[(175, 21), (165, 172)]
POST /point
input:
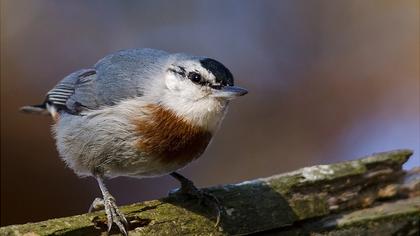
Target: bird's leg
[(113, 214), (188, 187)]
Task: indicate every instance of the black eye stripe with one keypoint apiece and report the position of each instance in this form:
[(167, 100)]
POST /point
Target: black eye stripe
[(181, 71), (223, 78), (197, 79), (194, 77)]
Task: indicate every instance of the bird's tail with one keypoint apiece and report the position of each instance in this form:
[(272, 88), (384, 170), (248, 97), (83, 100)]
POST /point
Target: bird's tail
[(36, 109)]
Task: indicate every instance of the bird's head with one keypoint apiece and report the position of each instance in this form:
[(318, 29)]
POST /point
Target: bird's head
[(198, 88)]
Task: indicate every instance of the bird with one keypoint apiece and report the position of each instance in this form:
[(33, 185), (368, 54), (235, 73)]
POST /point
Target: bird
[(138, 113)]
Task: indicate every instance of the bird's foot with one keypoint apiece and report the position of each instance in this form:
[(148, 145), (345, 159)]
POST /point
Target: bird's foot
[(205, 198), (113, 214), (97, 205)]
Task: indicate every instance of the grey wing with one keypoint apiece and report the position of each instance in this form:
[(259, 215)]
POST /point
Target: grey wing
[(63, 94), (116, 77)]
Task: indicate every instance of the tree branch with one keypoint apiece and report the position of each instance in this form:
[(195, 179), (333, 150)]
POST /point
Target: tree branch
[(369, 195)]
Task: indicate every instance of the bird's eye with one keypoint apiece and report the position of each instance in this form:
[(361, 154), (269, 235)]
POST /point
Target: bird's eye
[(194, 77)]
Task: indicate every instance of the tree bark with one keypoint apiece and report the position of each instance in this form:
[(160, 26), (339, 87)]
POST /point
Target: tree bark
[(371, 195)]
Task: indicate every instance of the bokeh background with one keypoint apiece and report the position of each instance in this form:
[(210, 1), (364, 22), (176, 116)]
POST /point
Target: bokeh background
[(328, 81)]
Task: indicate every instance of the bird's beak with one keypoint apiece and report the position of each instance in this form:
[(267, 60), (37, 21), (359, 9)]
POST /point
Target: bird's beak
[(229, 92)]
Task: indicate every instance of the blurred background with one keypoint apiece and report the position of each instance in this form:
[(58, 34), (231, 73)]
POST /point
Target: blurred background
[(328, 81)]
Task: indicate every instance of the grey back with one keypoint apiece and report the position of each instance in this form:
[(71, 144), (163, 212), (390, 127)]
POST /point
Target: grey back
[(116, 77)]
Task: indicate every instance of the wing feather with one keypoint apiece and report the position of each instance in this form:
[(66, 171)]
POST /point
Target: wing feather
[(116, 77)]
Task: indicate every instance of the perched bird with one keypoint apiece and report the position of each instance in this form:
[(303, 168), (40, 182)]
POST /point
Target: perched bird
[(138, 113)]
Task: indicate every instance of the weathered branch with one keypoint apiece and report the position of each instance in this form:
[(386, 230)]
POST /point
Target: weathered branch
[(369, 195)]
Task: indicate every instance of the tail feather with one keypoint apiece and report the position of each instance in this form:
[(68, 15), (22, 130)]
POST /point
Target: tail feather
[(35, 109)]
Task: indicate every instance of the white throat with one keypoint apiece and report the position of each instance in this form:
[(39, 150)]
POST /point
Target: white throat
[(206, 112)]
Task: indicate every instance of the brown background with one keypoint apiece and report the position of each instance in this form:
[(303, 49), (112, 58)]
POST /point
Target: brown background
[(328, 81)]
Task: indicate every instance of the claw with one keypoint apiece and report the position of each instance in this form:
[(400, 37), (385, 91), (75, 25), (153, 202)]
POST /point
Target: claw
[(122, 228), (215, 202), (113, 214), (188, 187), (208, 199)]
